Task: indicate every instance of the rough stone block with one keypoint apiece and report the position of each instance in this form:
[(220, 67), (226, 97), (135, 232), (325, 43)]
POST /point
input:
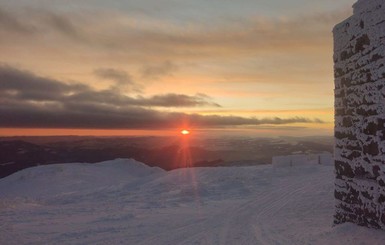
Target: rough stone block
[(359, 70)]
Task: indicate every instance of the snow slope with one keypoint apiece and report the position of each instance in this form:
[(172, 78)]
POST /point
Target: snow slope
[(126, 202)]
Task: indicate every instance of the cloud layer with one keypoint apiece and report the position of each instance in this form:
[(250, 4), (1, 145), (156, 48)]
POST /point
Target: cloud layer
[(116, 31), (28, 100)]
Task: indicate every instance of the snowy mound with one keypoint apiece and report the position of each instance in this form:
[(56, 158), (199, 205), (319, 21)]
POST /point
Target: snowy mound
[(126, 202), (58, 179)]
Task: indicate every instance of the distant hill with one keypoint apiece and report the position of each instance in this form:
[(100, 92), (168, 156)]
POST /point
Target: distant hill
[(169, 153)]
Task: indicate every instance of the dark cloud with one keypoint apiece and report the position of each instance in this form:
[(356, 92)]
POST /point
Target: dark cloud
[(42, 23), (13, 23), (235, 121), (168, 100), (118, 76), (27, 100), (121, 79), (91, 116), (25, 86), (63, 24), (156, 71)]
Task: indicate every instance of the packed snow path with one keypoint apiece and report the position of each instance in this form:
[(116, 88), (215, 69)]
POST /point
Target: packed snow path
[(126, 202)]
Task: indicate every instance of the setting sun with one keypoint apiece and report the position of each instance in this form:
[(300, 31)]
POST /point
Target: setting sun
[(185, 132)]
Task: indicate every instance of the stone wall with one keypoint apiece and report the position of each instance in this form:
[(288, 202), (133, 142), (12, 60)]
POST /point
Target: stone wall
[(359, 56)]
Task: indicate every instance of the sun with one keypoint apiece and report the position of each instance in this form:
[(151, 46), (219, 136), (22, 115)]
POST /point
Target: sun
[(185, 132)]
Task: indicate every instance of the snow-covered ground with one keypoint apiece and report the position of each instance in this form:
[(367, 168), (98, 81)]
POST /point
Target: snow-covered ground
[(126, 202)]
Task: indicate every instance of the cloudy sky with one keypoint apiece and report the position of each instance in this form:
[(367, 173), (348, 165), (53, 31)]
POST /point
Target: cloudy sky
[(119, 66)]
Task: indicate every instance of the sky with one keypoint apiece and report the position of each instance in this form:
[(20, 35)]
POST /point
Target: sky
[(95, 67)]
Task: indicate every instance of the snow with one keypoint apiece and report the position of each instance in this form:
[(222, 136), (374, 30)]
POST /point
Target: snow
[(127, 202), (365, 5)]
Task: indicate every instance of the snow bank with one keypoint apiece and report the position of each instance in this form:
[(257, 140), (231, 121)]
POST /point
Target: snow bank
[(59, 179)]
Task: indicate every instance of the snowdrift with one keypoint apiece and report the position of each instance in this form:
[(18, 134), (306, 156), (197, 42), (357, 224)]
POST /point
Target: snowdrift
[(58, 179)]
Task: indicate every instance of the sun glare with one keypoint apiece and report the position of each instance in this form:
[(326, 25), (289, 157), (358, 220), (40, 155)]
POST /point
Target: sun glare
[(185, 132)]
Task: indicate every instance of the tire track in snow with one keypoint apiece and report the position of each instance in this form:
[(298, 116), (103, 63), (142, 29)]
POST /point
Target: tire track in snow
[(247, 222), (265, 227), (254, 227)]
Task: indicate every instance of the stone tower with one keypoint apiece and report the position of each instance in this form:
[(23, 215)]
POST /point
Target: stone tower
[(359, 67)]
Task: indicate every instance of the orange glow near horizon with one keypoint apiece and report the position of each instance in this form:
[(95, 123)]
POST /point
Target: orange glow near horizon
[(261, 131)]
